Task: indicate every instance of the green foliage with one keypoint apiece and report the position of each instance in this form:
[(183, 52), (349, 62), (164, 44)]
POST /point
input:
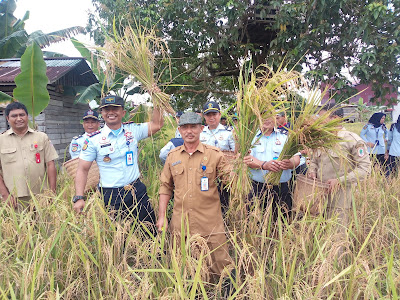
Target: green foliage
[(209, 39), (14, 39), (32, 82)]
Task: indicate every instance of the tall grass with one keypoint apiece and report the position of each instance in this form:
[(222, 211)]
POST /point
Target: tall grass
[(52, 253)]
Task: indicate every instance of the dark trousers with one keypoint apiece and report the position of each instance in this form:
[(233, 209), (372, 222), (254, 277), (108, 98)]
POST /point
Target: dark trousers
[(380, 160), (392, 164), (280, 194), (125, 204), (224, 198)]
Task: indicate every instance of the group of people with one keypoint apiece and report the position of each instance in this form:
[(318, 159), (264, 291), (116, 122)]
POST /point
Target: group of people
[(195, 171), (383, 143)]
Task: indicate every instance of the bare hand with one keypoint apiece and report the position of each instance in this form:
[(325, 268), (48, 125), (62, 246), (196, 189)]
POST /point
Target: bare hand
[(386, 156), (371, 145), (311, 175), (79, 205), (273, 166), (287, 164), (252, 162), (333, 185), (12, 201), (160, 224)]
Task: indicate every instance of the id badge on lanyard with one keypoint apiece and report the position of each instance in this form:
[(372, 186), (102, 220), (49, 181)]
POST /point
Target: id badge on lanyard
[(204, 181), (129, 158)]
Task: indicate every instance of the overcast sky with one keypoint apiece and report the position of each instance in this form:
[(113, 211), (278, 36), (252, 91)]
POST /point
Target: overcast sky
[(52, 15)]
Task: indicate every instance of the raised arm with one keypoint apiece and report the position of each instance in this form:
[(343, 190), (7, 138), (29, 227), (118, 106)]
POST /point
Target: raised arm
[(156, 122)]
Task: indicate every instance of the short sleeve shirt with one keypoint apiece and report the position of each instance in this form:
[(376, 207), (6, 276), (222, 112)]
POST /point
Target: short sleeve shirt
[(75, 147), (268, 148), (18, 161), (110, 153), (220, 138)]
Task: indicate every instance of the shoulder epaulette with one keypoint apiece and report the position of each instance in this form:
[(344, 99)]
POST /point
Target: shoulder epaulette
[(173, 150), (77, 137), (211, 147), (94, 133), (392, 126), (384, 127), (130, 122), (365, 127)]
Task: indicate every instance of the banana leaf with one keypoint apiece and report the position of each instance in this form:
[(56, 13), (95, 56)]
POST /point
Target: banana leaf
[(32, 82)]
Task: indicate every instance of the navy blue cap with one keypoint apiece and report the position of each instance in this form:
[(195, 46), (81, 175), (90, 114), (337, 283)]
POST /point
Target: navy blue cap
[(91, 114), (178, 114), (211, 106), (112, 100)]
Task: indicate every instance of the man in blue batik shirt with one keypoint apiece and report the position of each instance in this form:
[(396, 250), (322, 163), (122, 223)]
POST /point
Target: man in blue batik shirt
[(115, 149)]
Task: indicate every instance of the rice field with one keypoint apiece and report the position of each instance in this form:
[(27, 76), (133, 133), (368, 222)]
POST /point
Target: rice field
[(49, 252)]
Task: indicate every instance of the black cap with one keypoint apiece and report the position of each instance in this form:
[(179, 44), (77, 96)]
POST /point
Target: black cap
[(112, 100), (211, 106), (91, 114)]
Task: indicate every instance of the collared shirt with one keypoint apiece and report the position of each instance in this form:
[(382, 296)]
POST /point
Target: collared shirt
[(349, 164), (268, 148), (182, 174), (110, 153), (394, 141), (178, 134), (18, 161), (76, 145), (220, 137), (370, 134), (173, 143)]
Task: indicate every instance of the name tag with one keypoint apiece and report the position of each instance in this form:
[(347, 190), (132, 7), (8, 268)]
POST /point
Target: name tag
[(204, 183), (129, 158)]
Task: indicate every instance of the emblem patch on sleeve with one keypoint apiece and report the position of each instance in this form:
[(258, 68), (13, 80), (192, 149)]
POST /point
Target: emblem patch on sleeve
[(361, 151)]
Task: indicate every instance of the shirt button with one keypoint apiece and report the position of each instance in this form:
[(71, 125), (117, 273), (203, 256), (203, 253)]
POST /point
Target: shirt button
[(190, 196), (190, 169), (190, 182)]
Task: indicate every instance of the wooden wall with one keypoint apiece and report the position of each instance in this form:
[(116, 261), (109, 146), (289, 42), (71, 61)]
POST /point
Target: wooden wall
[(61, 121)]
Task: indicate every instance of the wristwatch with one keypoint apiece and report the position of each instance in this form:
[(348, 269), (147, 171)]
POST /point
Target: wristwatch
[(76, 198)]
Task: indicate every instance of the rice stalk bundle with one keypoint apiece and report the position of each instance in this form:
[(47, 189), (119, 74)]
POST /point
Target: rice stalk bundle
[(309, 131), (141, 54), (260, 94)]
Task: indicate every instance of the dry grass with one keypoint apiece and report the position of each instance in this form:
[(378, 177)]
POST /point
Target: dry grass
[(141, 54), (51, 253)]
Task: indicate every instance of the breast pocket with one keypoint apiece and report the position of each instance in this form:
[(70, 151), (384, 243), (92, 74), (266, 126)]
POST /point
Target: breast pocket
[(177, 172), (9, 155), (277, 149), (210, 174)]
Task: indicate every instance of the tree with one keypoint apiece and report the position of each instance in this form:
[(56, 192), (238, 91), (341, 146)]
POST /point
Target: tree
[(14, 39), (209, 40)]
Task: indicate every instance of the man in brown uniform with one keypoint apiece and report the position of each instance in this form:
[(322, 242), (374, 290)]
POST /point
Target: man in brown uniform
[(26, 156), (341, 170), (191, 171)]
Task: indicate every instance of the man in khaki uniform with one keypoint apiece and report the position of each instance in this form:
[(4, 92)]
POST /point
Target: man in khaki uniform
[(26, 156), (191, 171), (341, 170)]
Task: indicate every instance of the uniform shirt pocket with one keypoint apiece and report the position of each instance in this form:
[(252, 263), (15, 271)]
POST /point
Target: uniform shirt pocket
[(9, 155), (177, 171)]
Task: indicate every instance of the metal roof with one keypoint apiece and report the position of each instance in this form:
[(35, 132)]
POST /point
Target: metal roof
[(70, 71)]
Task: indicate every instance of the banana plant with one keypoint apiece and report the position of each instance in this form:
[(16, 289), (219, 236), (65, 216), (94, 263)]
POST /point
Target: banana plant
[(31, 83)]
